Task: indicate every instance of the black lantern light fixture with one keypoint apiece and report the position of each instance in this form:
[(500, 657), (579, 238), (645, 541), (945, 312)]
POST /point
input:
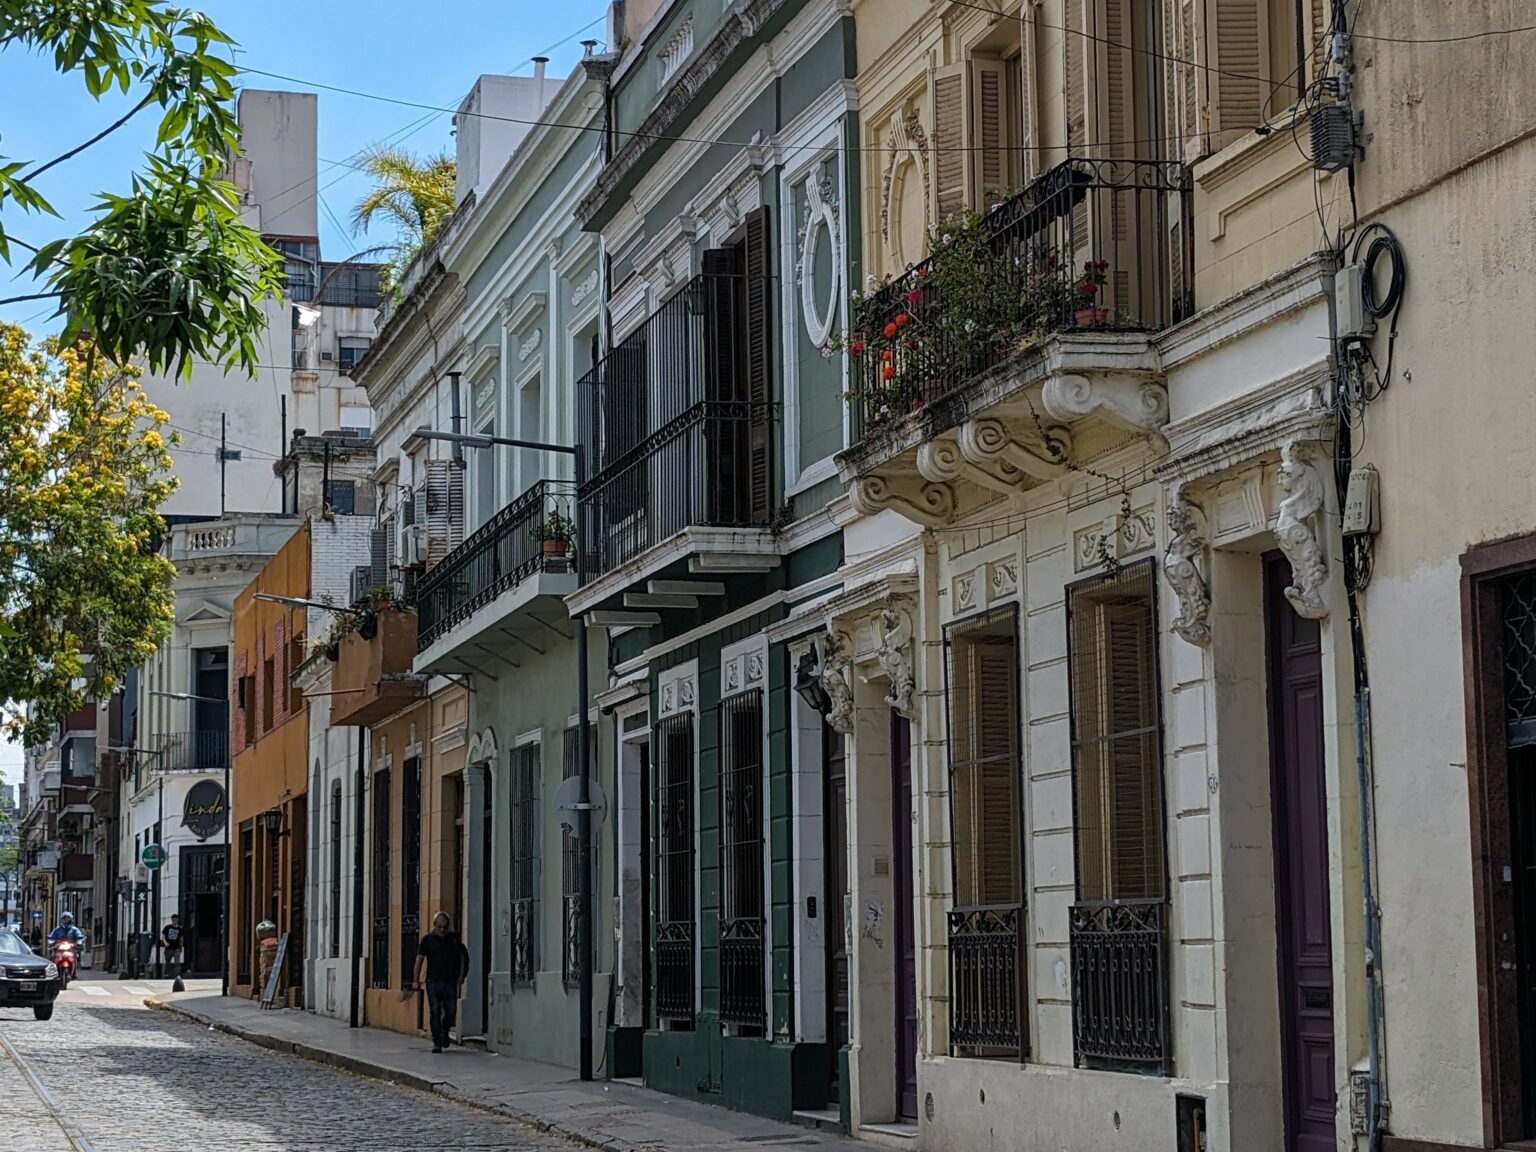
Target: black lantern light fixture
[(272, 821), (808, 682)]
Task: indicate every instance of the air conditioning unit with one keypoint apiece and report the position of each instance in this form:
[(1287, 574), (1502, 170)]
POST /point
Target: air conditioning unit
[(327, 355), (413, 552)]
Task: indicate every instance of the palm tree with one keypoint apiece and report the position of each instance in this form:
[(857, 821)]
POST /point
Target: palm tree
[(415, 194)]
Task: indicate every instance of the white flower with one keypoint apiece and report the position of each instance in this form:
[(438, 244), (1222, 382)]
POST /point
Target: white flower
[(970, 325), (945, 238)]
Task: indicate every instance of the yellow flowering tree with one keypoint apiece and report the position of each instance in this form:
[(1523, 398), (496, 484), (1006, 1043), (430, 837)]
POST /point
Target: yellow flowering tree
[(84, 468)]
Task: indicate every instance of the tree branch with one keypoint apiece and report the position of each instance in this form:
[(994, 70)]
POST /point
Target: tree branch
[(102, 135), (30, 296)]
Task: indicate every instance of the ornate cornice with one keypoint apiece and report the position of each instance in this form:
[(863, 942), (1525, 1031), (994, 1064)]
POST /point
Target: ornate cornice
[(738, 28)]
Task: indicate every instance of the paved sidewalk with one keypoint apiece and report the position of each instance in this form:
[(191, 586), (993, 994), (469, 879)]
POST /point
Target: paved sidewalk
[(618, 1117)]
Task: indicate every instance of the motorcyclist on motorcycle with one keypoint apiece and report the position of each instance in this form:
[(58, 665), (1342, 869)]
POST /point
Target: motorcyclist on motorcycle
[(66, 930)]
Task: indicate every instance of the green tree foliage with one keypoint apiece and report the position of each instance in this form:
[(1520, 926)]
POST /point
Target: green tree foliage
[(414, 194), (84, 461), (167, 272)]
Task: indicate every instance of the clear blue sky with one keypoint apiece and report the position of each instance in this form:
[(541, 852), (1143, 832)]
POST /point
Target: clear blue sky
[(429, 53)]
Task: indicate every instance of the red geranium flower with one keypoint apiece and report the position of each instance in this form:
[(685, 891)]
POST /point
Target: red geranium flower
[(914, 296), (888, 372), (890, 330), (857, 349), (1089, 288), (887, 354), (901, 319)]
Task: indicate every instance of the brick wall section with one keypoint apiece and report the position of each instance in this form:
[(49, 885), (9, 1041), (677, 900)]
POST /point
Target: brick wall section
[(336, 547), (240, 670)]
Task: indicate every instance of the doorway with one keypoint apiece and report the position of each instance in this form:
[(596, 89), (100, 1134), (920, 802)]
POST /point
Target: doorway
[(487, 871), (906, 936), (834, 900), (1298, 787), (200, 877)]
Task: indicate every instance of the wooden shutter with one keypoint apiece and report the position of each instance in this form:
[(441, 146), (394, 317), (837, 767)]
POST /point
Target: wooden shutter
[(1317, 18), (445, 509), (379, 540), (985, 765), (1074, 46), (1116, 51), (1029, 97), (1239, 38), (989, 135), (759, 366), (1116, 744), (949, 142)]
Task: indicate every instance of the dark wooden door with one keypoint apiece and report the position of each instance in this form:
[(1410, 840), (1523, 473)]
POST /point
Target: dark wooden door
[(905, 936), (647, 1016), (1299, 796), (1522, 845), (487, 872), (834, 899), (200, 899)]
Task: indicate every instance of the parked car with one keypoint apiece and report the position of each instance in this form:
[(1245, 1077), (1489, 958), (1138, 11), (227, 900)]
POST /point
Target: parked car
[(26, 978)]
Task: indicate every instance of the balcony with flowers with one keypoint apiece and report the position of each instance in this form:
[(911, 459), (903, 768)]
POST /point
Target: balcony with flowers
[(1025, 342)]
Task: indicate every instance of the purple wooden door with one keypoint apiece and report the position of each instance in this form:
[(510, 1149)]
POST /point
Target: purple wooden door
[(906, 945), (1299, 796)]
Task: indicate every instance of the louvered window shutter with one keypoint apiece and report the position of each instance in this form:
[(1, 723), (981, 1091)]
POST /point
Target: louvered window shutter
[(1028, 97), (989, 135), (445, 509), (1318, 18), (724, 438), (1239, 40), (759, 366), (1074, 47), (1116, 51), (949, 142), (379, 540)]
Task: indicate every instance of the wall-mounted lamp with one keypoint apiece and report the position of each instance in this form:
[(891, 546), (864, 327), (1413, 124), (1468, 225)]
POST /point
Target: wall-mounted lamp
[(808, 682), (272, 821)]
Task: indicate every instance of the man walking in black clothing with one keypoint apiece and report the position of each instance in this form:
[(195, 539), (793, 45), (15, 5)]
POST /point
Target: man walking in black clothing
[(442, 964)]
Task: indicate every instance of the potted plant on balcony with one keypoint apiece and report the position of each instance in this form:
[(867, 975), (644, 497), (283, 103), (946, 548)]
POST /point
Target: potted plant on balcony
[(555, 534), (1089, 293)]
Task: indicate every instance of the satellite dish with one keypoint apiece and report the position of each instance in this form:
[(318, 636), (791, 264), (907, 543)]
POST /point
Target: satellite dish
[(565, 803)]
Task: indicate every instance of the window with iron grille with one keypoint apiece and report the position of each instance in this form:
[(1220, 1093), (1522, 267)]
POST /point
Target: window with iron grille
[(525, 859), (1118, 925), (410, 869), (986, 922), (742, 958), (674, 870), (336, 870), (570, 869), (379, 969)]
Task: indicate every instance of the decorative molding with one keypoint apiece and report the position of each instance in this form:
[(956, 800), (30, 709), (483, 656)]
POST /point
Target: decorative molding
[(896, 654), (584, 289), (907, 143), (528, 346), (821, 215), (942, 462), (931, 505), (965, 591), (742, 665), (1003, 577), (1183, 565), (1137, 404), (837, 655), (518, 316), (1305, 495)]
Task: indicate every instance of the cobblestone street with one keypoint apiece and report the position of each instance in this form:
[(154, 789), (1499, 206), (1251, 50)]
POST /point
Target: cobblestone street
[(122, 1078)]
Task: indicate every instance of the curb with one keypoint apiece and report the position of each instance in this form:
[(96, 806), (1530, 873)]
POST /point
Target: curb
[(379, 1072)]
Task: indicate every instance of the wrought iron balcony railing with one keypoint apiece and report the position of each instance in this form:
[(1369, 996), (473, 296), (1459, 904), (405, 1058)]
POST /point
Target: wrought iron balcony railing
[(529, 535), (677, 421), (1120, 225), (204, 750), (986, 980), (674, 971), (1120, 983)]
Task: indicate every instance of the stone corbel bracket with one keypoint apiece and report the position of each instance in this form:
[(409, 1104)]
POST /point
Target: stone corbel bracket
[(896, 653), (929, 504), (1305, 494), (1131, 401), (989, 443), (1185, 566), (836, 678)]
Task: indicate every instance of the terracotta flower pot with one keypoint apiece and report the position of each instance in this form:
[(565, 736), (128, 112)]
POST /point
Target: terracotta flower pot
[(1088, 317), (555, 546)]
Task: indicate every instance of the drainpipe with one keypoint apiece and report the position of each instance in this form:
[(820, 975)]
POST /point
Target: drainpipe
[(359, 808)]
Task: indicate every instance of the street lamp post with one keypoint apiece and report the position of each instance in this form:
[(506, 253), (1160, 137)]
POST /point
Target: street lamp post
[(193, 698), (583, 752)]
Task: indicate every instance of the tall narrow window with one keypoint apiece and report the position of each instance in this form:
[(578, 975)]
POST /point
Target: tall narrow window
[(247, 902), (268, 694), (570, 872), (379, 971), (675, 863), (335, 870), (1119, 982), (742, 959), (525, 859), (986, 923), (410, 868)]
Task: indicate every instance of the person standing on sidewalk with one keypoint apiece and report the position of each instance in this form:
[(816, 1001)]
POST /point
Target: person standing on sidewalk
[(170, 943), (442, 965)]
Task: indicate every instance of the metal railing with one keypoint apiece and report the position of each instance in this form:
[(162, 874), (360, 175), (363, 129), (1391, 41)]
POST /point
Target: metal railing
[(522, 940), (674, 971), (677, 425), (572, 934), (986, 980), (1120, 983), (1124, 218), (742, 971), (503, 552), (203, 750)]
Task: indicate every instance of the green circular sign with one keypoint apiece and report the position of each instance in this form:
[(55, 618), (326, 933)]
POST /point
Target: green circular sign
[(153, 856)]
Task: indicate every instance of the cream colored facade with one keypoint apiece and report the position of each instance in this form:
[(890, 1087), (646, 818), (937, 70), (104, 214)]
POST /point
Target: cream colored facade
[(1193, 425)]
